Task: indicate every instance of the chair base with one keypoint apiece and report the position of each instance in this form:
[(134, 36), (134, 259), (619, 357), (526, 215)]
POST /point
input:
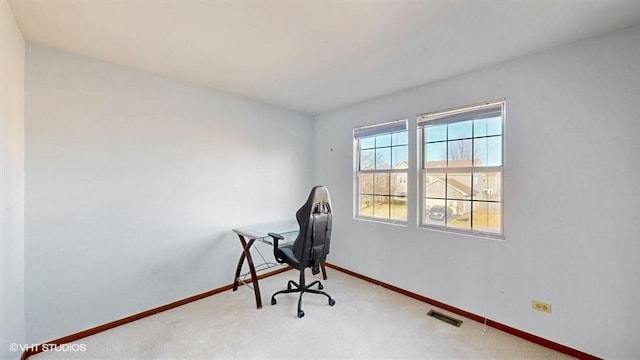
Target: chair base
[(301, 287)]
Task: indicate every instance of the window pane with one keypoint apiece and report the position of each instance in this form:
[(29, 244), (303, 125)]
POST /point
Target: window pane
[(400, 157), (460, 130), (399, 184), (368, 142), (399, 138), (480, 127), (460, 214), (381, 186), (435, 133), (435, 186), (383, 140), (487, 186), (367, 158), (435, 155), (383, 158), (487, 127), (366, 183), (460, 153), (459, 186), (494, 150), (494, 126), (399, 208), (381, 206), (488, 151), (366, 205), (480, 152), (435, 212), (486, 216)]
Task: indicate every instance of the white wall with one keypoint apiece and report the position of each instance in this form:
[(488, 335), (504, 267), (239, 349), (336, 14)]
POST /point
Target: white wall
[(12, 70), (134, 183), (571, 196)]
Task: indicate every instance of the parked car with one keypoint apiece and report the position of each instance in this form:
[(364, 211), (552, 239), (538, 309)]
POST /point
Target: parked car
[(437, 212)]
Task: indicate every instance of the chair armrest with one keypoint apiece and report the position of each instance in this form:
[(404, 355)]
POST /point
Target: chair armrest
[(276, 237)]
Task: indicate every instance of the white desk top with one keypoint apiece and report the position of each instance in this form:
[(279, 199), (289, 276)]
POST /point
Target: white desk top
[(260, 231)]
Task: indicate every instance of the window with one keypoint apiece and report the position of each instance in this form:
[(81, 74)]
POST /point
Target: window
[(461, 169), (382, 160)]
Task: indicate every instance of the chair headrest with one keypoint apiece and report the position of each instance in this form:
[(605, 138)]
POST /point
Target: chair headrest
[(319, 194), (318, 201)]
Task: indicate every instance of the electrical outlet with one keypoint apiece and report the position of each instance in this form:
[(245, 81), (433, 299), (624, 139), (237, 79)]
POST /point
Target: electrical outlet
[(541, 306)]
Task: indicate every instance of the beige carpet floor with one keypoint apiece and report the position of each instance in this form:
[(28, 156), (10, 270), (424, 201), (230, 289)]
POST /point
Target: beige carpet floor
[(367, 322)]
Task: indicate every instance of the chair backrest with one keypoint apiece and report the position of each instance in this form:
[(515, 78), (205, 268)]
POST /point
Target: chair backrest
[(314, 218)]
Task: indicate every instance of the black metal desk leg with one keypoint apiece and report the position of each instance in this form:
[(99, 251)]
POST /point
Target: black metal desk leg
[(254, 277)]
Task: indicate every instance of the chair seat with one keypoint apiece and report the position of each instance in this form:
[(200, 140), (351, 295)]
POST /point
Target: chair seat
[(287, 255)]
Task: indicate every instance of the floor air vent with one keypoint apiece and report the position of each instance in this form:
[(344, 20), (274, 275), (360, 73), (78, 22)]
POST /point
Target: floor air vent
[(446, 318)]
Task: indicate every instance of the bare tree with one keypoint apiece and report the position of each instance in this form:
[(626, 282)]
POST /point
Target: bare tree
[(464, 150), (460, 150)]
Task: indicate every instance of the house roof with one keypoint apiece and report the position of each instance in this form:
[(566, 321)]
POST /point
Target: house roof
[(452, 183), (401, 165)]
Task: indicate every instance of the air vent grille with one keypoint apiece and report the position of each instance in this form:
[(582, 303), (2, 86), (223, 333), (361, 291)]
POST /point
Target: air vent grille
[(446, 318)]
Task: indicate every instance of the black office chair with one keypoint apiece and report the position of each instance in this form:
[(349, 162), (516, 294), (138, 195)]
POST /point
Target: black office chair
[(310, 248)]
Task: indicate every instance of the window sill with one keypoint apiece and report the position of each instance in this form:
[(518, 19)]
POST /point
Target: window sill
[(382, 221), (486, 236)]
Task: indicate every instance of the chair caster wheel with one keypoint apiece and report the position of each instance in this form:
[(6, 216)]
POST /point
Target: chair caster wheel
[(332, 302), (320, 286), (300, 313), (273, 301)]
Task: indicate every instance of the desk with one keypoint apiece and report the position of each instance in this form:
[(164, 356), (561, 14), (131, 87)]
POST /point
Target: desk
[(248, 235)]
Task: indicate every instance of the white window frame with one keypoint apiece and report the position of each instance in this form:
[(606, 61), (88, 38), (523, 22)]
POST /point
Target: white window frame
[(446, 117), (374, 130)]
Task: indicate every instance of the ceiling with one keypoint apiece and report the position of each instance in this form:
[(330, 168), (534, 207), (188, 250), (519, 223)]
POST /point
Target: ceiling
[(314, 56)]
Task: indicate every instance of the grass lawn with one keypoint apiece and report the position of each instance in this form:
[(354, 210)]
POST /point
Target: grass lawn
[(398, 210), (481, 220)]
